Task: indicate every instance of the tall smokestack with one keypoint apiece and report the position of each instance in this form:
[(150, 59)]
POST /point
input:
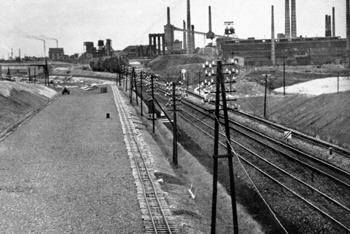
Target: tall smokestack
[(329, 26), (193, 44), (210, 34), (56, 43), (326, 26), (189, 34), (294, 20), (287, 20), (273, 57), (333, 21), (184, 40), (347, 25), (209, 19), (19, 53), (11, 53), (168, 15)]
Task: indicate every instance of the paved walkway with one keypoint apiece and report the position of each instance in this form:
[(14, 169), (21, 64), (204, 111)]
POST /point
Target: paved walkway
[(67, 171)]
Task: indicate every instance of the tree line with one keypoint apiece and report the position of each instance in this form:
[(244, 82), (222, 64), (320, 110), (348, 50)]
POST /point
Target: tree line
[(108, 64)]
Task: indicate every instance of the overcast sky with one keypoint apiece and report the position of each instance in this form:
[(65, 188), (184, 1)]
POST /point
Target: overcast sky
[(128, 22)]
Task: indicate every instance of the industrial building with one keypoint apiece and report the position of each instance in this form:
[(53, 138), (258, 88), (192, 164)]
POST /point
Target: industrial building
[(165, 43), (296, 51), (102, 50), (56, 54), (287, 47), (136, 51), (290, 48)]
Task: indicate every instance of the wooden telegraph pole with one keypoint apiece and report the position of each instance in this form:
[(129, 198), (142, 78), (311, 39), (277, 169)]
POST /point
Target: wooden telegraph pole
[(175, 161), (284, 78), (131, 85), (141, 94), (153, 107)]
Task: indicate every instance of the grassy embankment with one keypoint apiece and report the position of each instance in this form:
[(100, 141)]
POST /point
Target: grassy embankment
[(20, 100)]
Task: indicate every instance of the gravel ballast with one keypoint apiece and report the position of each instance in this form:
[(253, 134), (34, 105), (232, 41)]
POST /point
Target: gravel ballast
[(67, 171)]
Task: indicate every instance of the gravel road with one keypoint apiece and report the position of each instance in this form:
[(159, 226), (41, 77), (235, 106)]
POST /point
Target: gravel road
[(67, 171)]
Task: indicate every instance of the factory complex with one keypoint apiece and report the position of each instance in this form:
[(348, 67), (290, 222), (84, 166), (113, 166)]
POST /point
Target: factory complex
[(286, 47)]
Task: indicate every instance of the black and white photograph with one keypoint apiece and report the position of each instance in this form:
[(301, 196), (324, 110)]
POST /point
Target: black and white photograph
[(175, 116)]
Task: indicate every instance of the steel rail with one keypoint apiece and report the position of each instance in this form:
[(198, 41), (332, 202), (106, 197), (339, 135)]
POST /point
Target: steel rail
[(279, 127), (132, 135), (271, 177), (339, 175)]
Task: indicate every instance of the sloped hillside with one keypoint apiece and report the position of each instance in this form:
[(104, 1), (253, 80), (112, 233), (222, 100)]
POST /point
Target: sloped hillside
[(19, 99), (326, 115), (165, 62), (171, 65)]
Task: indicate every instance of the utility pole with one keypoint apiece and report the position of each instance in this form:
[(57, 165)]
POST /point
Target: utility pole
[(34, 74), (141, 94), (174, 127), (199, 82), (131, 85), (153, 109), (220, 88), (187, 82), (284, 78), (135, 86), (30, 78), (120, 74), (46, 72), (173, 101), (125, 78), (265, 96), (338, 83)]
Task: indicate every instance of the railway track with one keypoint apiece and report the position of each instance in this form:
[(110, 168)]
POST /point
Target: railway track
[(156, 215), (330, 203), (321, 166), (333, 209), (281, 129)]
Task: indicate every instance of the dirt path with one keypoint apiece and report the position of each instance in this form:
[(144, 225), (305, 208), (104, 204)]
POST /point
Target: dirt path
[(63, 172)]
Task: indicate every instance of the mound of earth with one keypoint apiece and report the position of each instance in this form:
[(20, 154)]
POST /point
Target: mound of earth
[(81, 73), (293, 75), (326, 115), (18, 100), (169, 63)]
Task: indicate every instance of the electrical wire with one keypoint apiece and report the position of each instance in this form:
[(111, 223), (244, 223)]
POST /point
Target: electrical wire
[(251, 180)]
